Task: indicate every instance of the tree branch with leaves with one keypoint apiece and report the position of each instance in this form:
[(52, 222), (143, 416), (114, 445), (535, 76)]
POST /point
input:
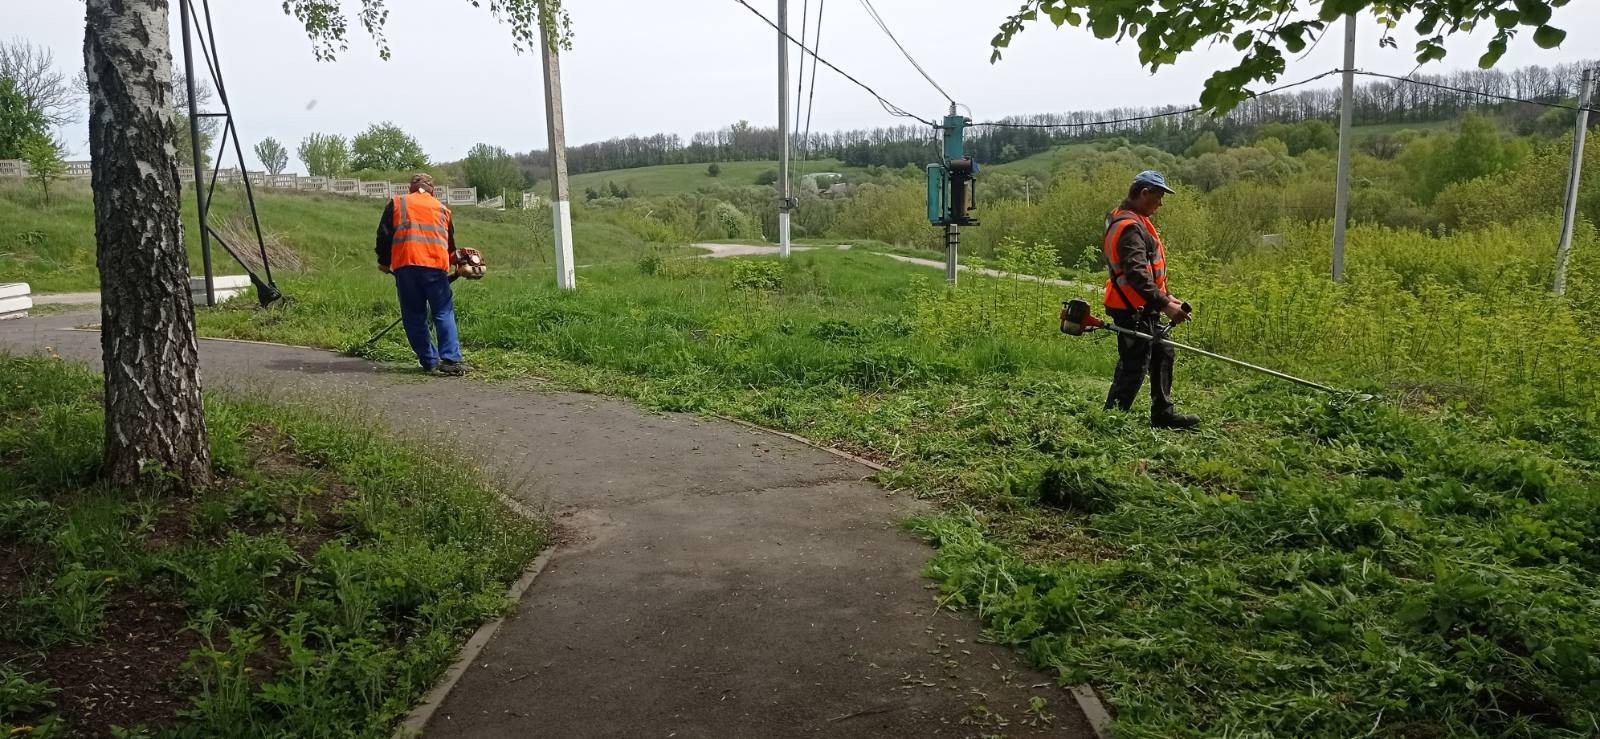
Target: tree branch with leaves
[(327, 23), (1265, 31)]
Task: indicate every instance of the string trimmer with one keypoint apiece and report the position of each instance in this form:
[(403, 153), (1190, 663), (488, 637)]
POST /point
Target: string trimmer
[(1076, 320), (469, 264)]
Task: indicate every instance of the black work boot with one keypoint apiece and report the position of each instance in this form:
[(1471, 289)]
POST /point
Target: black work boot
[(1174, 420), (453, 369)]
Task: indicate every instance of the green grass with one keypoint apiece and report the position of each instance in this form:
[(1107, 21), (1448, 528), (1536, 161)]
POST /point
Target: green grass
[(1043, 166), (672, 179), (318, 588), (51, 247), (1378, 129), (1419, 566)]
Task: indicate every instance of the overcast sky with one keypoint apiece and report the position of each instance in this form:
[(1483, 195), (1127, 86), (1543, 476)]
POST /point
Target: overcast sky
[(680, 66)]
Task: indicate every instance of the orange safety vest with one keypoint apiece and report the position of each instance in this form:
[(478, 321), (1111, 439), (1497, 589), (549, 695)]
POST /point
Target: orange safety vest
[(1118, 292), (421, 232)]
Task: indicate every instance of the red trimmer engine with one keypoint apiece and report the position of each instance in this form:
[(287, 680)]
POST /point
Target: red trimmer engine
[(1076, 318)]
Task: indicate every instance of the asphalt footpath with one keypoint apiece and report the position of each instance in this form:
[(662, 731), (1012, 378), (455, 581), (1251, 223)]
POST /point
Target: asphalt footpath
[(708, 579)]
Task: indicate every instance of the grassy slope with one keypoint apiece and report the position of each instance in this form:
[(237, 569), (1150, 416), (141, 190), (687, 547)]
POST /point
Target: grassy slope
[(1043, 164), (52, 247), (668, 179), (1298, 566), (341, 567)]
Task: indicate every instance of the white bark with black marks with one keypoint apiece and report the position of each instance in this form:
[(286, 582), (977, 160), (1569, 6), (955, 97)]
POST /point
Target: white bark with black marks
[(155, 421)]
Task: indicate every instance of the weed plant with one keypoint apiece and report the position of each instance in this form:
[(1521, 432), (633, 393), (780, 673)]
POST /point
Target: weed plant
[(320, 587)]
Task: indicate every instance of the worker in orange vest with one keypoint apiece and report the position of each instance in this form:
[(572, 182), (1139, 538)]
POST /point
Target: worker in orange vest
[(1137, 297), (417, 244)]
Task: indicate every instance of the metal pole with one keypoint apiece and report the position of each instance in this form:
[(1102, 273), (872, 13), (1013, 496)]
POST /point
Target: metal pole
[(566, 277), (238, 149), (784, 202), (194, 146), (1230, 360), (1341, 201), (952, 239), (1564, 250)]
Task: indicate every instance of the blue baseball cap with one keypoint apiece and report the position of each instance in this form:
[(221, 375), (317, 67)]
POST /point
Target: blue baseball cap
[(1152, 178)]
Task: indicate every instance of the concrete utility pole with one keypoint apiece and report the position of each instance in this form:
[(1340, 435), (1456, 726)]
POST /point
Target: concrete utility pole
[(1564, 250), (784, 201), (199, 160), (560, 204), (1341, 198)]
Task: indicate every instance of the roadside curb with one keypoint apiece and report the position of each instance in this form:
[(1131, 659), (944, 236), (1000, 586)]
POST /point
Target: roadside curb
[(803, 440), (419, 717), (1094, 710), (95, 329)]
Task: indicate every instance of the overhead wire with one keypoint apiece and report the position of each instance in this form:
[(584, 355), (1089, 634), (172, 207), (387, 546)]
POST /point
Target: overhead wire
[(1151, 116), (888, 107), (1504, 98), (878, 19), (805, 16), (898, 111), (1281, 88), (811, 100)]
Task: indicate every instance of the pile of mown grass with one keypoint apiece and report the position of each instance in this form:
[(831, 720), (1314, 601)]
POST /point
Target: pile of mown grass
[(1419, 566)]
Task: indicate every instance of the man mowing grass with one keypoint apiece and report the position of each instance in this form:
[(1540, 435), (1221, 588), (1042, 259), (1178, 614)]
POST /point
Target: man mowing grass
[(417, 244)]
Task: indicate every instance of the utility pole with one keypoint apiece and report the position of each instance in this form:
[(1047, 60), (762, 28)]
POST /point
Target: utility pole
[(199, 166), (1564, 250), (950, 189), (954, 148), (555, 121), (784, 201), (1341, 198)]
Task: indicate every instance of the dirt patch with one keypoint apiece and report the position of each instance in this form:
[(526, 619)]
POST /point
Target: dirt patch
[(17, 565), (132, 676), (132, 673)]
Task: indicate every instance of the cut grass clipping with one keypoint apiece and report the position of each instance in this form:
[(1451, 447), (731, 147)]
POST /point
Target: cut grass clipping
[(1423, 566), (317, 589)]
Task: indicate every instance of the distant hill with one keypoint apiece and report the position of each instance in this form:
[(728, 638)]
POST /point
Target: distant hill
[(670, 179), (52, 247)]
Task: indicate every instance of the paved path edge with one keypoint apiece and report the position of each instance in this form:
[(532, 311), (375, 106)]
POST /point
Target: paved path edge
[(419, 717)]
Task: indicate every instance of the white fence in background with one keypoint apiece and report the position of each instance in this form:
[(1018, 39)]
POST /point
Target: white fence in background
[(448, 195)]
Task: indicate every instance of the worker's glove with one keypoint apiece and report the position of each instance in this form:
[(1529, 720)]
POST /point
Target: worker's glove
[(469, 264)]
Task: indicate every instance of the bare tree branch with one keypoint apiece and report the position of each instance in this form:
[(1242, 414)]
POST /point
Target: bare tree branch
[(34, 70)]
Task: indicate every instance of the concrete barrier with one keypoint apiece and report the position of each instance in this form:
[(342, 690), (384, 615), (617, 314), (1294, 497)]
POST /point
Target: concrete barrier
[(227, 287), (15, 300)]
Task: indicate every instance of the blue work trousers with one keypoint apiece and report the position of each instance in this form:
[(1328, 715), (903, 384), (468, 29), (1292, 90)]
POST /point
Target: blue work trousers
[(425, 293)]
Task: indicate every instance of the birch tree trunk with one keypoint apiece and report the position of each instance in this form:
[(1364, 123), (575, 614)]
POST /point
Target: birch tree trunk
[(155, 423)]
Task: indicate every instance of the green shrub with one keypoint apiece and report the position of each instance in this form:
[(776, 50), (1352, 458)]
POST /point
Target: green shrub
[(756, 275)]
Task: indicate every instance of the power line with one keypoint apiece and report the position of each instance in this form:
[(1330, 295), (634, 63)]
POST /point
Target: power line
[(811, 100), (889, 107), (1504, 98), (1151, 116), (800, 89), (867, 4), (1281, 88)]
